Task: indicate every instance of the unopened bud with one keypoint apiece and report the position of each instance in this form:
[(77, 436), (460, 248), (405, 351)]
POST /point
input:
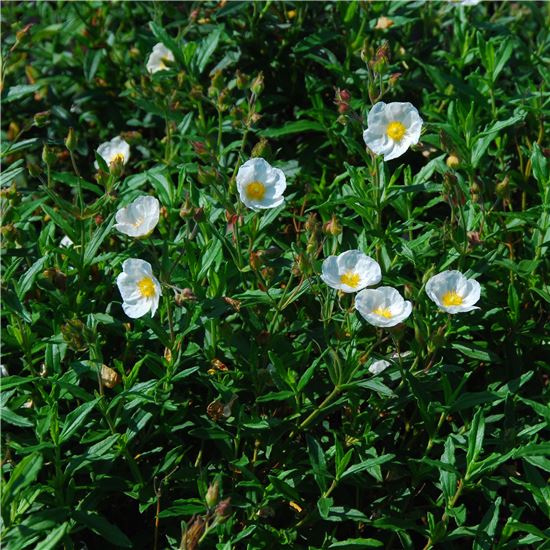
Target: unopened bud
[(333, 227), (109, 377), (255, 260), (116, 166), (502, 188), (223, 510), (217, 81), (22, 35), (241, 80), (193, 534), (212, 494), (70, 140), (185, 295), (394, 77), (41, 119), (262, 149), (452, 161), (48, 155), (258, 84)]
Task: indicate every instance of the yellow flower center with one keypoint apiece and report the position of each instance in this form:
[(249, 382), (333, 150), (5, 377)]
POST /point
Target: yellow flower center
[(451, 298), (351, 279), (255, 190), (146, 287), (119, 157), (396, 130), (383, 312), (138, 222)]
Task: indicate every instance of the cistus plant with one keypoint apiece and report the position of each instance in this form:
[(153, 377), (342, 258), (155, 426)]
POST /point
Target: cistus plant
[(275, 275)]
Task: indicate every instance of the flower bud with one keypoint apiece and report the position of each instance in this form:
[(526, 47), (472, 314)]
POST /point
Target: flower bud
[(394, 77), (109, 377), (502, 188), (332, 227), (213, 493), (22, 35), (76, 334), (217, 82), (187, 210), (241, 80), (193, 534), (48, 155), (452, 161), (116, 166), (262, 149), (70, 140), (258, 84), (223, 510), (41, 119)]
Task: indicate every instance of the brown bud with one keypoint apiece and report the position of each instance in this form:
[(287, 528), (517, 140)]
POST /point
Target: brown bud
[(235, 304), (223, 510), (262, 149), (333, 227), (383, 23), (452, 161), (194, 533), (109, 377)]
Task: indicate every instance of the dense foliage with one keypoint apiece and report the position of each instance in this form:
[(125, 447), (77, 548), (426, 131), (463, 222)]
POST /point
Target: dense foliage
[(243, 413)]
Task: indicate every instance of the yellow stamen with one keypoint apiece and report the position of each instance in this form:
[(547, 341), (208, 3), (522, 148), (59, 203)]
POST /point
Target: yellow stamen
[(119, 157), (396, 130), (383, 312), (138, 222), (451, 298), (255, 190), (351, 279), (146, 287)]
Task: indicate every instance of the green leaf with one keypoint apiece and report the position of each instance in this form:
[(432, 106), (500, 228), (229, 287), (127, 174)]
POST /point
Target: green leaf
[(75, 419), (296, 127), (53, 539), (206, 48), (283, 488), (475, 351), (475, 438), (22, 476), (28, 278), (448, 479), (368, 464), (98, 524), (97, 239), (357, 543), (318, 462), (13, 418), (323, 505)]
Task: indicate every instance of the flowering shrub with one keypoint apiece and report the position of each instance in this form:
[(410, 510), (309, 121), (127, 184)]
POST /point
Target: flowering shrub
[(274, 275)]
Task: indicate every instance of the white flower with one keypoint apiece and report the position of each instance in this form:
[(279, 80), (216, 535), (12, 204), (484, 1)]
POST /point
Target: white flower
[(465, 2), (139, 218), (350, 271), (158, 58), (260, 185), (392, 128), (3, 371), (66, 242), (383, 306), (379, 366), (452, 292), (139, 288), (113, 150)]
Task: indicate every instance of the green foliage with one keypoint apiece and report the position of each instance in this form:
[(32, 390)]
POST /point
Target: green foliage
[(243, 413)]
